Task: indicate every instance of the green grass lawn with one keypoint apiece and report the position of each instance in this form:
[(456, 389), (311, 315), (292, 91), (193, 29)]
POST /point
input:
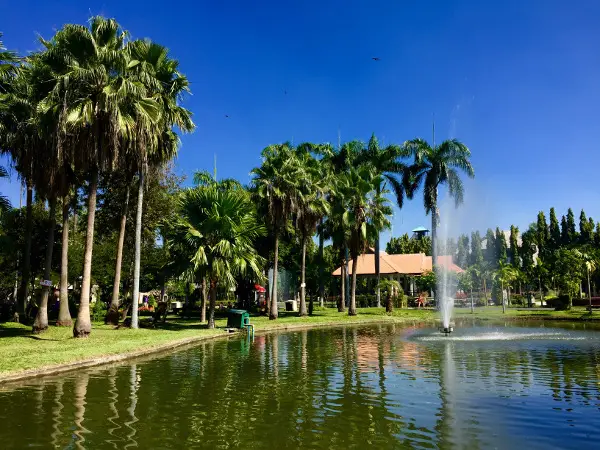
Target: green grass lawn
[(20, 350)]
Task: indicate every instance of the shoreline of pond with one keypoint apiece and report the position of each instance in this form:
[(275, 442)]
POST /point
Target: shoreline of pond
[(177, 343)]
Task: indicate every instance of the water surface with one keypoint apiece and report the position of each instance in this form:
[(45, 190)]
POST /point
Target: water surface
[(491, 386)]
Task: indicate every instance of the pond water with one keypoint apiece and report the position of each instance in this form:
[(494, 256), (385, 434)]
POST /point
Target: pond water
[(484, 386)]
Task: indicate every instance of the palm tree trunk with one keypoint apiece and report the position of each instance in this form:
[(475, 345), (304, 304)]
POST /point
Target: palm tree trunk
[(502, 297), (589, 289), (64, 315), (112, 316), (389, 305), (26, 272), (341, 306), (347, 278), (352, 306), (41, 320), (434, 224), (321, 265), (485, 293), (377, 262), (83, 324), (203, 301), (213, 304), (273, 310), (303, 312), (138, 251)]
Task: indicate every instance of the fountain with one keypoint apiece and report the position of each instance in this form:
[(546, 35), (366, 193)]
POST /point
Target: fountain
[(445, 282)]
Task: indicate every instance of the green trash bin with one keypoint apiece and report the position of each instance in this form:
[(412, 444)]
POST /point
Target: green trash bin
[(237, 318)]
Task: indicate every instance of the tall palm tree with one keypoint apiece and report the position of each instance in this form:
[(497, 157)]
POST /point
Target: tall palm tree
[(89, 64), (433, 167), (366, 212), (8, 65), (155, 142), (276, 185), (219, 227), (312, 206), (386, 162)]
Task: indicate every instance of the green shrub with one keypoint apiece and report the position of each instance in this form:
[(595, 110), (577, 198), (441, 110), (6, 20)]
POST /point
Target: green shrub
[(152, 302), (401, 300), (518, 300), (98, 311), (560, 303)]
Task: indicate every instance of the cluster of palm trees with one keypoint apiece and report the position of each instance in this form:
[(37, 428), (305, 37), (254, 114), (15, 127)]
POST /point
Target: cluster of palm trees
[(90, 103), (342, 193)]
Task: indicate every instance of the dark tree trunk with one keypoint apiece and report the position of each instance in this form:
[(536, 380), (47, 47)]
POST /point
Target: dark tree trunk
[(352, 307), (273, 310), (389, 304), (213, 304), (26, 272), (341, 307), (64, 315), (41, 320), (83, 324), (112, 316)]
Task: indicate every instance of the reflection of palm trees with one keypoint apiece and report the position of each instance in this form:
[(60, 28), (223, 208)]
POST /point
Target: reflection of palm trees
[(57, 414), (113, 395), (134, 385), (80, 392)]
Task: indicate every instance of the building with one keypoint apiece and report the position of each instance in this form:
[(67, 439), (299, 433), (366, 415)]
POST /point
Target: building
[(403, 268)]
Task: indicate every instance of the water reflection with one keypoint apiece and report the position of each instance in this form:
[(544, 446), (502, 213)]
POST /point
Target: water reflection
[(341, 388)]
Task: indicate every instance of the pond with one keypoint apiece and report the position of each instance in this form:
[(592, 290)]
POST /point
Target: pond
[(388, 386)]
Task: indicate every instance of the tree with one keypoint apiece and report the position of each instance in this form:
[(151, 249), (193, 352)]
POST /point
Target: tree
[(389, 287), (476, 256), (155, 141), (88, 84), (565, 238), (569, 271), (501, 251), (219, 227), (505, 275), (462, 256), (387, 163), (365, 214), (554, 237), (597, 235), (275, 184), (571, 231), (543, 237), (435, 166), (590, 262), (491, 255), (586, 229), (515, 259), (466, 281), (312, 207)]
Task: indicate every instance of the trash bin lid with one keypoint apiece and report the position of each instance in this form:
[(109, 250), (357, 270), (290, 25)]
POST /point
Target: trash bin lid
[(238, 311)]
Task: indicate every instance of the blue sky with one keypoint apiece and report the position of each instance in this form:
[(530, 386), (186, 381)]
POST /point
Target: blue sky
[(518, 82)]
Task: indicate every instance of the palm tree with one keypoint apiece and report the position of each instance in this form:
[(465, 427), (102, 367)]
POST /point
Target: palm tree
[(390, 287), (590, 263), (505, 274), (387, 163), (276, 185), (365, 214), (8, 65), (89, 64), (220, 227), (154, 141), (433, 167), (312, 207)]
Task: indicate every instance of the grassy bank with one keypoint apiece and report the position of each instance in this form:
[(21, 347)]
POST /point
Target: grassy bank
[(21, 351)]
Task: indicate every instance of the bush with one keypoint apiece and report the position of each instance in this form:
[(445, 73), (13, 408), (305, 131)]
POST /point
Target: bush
[(518, 300), (99, 309), (152, 302), (145, 310), (560, 303), (401, 300)]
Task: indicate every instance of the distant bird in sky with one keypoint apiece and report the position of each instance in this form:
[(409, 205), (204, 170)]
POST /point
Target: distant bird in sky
[(226, 116), (376, 59), (285, 92)]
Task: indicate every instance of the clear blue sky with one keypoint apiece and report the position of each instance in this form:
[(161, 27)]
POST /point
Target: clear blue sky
[(517, 81)]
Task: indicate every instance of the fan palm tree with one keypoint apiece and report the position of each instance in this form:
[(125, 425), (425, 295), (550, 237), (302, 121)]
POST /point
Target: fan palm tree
[(433, 167), (219, 228), (154, 141), (312, 207), (390, 287), (8, 65), (366, 212), (505, 275), (387, 163), (276, 185)]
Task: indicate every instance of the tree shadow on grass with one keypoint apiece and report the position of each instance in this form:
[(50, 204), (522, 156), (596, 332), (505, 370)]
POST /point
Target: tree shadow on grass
[(8, 332)]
